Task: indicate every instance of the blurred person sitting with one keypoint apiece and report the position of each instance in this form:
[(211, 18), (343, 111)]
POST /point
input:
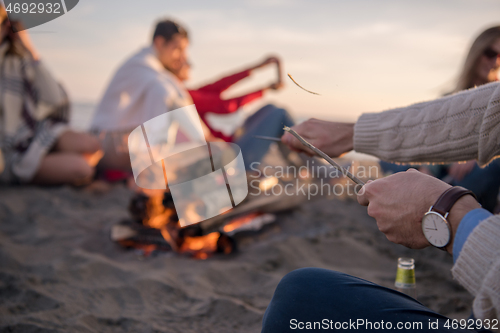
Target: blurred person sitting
[(267, 121), (143, 88), (36, 143), (480, 67)]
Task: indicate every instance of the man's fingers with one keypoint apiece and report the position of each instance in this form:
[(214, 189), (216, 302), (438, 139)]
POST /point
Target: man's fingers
[(291, 141), (295, 144), (363, 197)]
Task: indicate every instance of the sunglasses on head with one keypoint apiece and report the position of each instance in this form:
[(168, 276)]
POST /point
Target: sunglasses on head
[(490, 53)]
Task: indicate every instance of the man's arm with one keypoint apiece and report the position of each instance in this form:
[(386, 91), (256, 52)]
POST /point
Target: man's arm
[(460, 127), (464, 126)]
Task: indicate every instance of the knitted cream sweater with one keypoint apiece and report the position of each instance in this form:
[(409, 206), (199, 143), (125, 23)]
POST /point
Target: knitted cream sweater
[(460, 127)]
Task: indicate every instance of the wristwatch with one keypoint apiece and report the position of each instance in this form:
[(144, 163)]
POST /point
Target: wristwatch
[(436, 228)]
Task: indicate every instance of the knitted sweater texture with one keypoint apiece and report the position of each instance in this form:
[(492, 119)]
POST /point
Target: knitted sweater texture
[(460, 127)]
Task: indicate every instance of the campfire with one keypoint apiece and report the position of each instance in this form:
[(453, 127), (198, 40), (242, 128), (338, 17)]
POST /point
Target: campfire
[(154, 226)]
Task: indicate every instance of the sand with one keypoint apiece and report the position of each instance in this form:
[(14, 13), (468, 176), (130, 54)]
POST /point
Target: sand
[(59, 272)]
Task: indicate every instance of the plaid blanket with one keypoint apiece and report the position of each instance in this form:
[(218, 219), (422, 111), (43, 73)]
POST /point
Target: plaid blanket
[(34, 111)]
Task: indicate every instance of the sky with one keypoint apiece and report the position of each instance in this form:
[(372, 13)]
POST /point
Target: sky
[(360, 56)]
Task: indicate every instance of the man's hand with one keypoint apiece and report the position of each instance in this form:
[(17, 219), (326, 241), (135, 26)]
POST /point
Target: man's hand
[(270, 60), (399, 202), (276, 86), (331, 137)]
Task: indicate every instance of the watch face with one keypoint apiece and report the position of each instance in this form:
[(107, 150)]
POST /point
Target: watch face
[(436, 229)]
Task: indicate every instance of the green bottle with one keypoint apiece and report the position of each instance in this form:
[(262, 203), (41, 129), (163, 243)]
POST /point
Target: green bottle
[(405, 277)]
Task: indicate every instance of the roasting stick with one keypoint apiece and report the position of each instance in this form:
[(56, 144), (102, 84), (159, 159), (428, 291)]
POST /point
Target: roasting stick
[(298, 85), (325, 156), (270, 138)]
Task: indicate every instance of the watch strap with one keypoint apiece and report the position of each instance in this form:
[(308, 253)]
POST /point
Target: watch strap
[(448, 199)]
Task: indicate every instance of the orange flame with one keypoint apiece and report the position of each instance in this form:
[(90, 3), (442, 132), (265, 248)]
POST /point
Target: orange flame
[(235, 224), (201, 246), (156, 212)]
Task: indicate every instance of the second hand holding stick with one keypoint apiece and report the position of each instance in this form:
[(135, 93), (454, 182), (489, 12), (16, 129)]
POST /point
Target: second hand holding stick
[(325, 156)]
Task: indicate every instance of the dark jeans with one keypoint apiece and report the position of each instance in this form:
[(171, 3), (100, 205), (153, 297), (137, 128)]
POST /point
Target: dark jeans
[(329, 297), (484, 182), (268, 121)]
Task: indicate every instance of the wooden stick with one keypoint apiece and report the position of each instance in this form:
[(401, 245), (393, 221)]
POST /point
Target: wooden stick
[(270, 138), (344, 171)]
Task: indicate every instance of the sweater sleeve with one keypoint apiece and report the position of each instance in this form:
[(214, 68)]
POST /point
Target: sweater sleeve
[(478, 268), (464, 126), (224, 83)]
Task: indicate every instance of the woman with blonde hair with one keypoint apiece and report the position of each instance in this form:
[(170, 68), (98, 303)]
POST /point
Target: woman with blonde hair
[(482, 62), (480, 67), (35, 140)]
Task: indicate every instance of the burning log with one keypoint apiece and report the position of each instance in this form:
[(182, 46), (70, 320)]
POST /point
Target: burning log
[(212, 217), (261, 204), (154, 226), (132, 235)]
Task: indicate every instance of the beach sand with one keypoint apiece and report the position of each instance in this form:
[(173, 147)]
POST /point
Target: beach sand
[(59, 271)]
